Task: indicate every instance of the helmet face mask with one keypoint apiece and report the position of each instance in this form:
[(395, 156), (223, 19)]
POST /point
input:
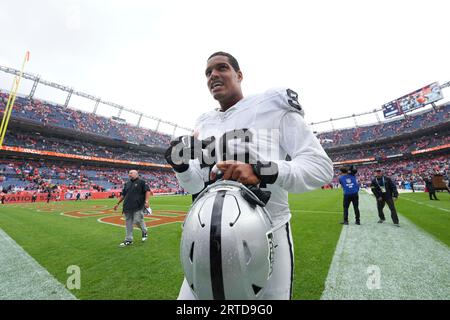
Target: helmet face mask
[(227, 248)]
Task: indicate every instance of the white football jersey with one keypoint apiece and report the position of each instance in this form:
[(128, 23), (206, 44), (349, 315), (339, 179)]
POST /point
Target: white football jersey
[(264, 127)]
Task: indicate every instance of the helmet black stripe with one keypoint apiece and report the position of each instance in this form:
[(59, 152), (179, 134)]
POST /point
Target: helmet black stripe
[(215, 247)]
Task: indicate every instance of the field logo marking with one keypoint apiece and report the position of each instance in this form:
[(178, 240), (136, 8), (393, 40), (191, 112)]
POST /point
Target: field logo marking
[(157, 218), (88, 212), (153, 220), (74, 280)]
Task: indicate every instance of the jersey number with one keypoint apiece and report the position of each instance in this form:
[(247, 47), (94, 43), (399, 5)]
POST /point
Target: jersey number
[(293, 101)]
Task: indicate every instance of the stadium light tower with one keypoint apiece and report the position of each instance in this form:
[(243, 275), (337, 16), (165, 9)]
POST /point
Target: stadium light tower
[(35, 84), (97, 102), (174, 128), (376, 115), (354, 119), (120, 111), (66, 104)]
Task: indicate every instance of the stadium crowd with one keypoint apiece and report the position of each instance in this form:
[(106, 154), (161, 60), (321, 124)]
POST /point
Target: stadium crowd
[(16, 176), (409, 123), (403, 171), (383, 151), (43, 142), (41, 176), (54, 115)]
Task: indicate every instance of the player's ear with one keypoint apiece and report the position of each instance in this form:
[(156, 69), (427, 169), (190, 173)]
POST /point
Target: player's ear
[(240, 76)]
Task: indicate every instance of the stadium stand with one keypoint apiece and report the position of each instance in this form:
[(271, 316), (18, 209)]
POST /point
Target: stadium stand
[(403, 171), (44, 141), (48, 114), (396, 128), (408, 149), (39, 176), (383, 151)]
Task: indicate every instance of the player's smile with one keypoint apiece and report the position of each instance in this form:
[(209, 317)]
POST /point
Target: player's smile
[(216, 86)]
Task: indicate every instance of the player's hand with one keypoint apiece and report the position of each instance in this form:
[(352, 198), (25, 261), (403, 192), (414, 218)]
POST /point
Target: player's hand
[(237, 171), (146, 204), (380, 199), (115, 207)]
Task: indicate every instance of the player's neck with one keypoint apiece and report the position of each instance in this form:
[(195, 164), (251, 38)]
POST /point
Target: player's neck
[(227, 104)]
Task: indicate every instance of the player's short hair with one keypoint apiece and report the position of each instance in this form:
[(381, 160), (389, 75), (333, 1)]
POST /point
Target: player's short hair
[(344, 169), (234, 63)]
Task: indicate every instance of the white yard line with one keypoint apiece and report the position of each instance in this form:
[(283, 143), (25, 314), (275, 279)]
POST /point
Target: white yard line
[(426, 204), (23, 278), (380, 261)]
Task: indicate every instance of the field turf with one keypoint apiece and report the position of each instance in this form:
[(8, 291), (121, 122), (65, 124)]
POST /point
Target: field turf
[(152, 270)]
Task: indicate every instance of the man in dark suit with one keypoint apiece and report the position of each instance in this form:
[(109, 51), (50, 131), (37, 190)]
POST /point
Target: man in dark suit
[(430, 188), (385, 192)]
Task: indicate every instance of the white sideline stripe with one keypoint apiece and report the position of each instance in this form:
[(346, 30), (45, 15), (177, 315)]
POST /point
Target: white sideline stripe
[(413, 264), (426, 204), (23, 278)]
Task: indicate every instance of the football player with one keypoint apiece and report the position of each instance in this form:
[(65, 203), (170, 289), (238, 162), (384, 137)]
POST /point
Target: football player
[(249, 139)]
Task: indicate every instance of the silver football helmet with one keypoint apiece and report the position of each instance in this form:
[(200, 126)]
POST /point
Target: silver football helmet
[(227, 249)]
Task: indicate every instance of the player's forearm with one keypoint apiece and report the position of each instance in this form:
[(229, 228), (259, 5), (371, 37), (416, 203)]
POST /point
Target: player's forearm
[(306, 172), (147, 196), (310, 167), (120, 200), (191, 180)]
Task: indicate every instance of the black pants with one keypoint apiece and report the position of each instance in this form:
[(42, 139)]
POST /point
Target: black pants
[(432, 194), (351, 198), (390, 203)]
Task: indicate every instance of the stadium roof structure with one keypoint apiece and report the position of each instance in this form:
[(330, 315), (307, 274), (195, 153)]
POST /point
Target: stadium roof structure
[(374, 111), (38, 80)]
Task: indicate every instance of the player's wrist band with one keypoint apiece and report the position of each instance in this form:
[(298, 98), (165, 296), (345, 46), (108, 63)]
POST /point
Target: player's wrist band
[(266, 171)]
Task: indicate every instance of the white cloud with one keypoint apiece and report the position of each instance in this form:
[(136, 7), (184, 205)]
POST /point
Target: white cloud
[(343, 57)]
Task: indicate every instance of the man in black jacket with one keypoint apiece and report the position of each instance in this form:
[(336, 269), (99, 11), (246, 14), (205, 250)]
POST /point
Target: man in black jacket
[(386, 192), (135, 194), (429, 184)]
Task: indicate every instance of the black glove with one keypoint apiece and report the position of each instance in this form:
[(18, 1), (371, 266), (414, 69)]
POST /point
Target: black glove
[(181, 150), (266, 171)]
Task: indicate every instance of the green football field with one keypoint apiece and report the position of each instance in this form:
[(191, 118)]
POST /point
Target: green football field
[(58, 235)]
